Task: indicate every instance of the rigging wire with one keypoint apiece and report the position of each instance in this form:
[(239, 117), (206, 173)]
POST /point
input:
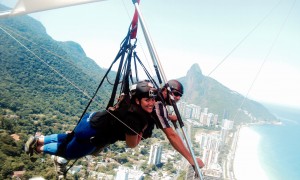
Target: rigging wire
[(243, 39), (9, 32), (6, 29), (73, 84), (61, 75), (43, 61), (238, 45), (140, 43), (124, 124), (266, 57), (40, 46)]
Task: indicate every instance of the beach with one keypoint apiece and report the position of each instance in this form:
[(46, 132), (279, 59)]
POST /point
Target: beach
[(246, 161)]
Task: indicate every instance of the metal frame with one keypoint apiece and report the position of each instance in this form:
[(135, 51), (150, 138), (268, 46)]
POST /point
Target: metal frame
[(156, 62)]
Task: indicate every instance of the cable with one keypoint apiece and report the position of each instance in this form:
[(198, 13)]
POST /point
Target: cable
[(243, 39), (266, 57), (43, 61)]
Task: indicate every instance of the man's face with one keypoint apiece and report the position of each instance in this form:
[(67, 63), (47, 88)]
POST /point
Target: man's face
[(177, 95)]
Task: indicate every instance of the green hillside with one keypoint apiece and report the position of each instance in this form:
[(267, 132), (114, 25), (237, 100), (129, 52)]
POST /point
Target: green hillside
[(44, 85), (43, 76)]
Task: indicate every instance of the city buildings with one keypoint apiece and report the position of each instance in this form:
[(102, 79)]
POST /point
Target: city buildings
[(210, 142), (198, 114)]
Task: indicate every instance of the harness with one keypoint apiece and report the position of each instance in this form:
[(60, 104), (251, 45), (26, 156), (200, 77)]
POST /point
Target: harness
[(122, 81)]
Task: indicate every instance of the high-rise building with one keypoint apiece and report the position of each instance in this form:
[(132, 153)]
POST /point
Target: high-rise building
[(215, 120), (209, 119), (227, 125), (188, 112), (125, 173), (203, 119), (155, 154), (196, 110), (209, 144), (181, 107)]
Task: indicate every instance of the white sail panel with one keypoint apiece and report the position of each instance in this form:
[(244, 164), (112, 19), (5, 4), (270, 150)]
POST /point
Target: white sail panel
[(30, 6)]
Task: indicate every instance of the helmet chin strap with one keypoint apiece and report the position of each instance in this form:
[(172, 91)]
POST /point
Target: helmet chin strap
[(137, 101), (168, 101)]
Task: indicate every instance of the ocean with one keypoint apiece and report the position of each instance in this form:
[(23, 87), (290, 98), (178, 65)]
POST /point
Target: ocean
[(278, 149)]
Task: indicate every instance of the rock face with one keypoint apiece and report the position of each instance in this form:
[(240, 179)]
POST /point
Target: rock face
[(207, 92)]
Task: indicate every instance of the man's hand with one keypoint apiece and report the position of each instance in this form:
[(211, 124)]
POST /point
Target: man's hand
[(200, 163)]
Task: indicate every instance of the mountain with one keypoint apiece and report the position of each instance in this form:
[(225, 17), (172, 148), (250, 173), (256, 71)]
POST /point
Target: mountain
[(207, 92), (29, 55), (45, 79), (45, 85), (43, 88)]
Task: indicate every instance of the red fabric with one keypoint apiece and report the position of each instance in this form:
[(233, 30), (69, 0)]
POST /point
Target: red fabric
[(134, 23)]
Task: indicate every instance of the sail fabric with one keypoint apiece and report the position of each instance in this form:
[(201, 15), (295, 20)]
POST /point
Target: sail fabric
[(134, 23), (30, 6)]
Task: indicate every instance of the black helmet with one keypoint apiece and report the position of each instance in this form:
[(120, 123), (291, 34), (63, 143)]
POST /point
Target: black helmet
[(143, 89), (176, 86)]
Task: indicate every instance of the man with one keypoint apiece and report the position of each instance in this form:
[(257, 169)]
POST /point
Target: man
[(163, 119)]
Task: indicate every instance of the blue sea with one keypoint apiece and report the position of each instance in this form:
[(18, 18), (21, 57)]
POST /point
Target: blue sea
[(279, 146)]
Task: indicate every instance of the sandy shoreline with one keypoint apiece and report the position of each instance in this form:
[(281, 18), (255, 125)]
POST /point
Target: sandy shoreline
[(246, 162)]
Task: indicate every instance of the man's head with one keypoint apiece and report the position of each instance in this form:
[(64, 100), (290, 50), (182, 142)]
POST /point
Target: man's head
[(176, 90), (176, 87)]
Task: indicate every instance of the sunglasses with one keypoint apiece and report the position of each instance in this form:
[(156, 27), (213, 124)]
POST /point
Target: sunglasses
[(176, 93)]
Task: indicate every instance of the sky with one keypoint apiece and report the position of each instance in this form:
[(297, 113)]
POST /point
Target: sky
[(251, 47)]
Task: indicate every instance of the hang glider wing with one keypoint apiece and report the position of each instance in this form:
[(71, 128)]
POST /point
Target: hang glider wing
[(31, 6)]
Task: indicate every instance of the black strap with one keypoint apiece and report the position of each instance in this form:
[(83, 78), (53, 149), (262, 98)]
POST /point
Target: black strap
[(113, 94)]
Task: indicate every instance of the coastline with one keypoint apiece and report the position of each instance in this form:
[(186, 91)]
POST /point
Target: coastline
[(246, 164)]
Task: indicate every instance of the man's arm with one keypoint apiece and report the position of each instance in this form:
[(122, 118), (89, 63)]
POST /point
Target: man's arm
[(174, 138), (178, 144)]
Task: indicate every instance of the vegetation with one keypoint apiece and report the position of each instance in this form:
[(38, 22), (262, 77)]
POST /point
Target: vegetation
[(36, 98), (44, 87)]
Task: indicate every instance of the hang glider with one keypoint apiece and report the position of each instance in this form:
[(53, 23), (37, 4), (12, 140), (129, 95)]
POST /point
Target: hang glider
[(31, 6)]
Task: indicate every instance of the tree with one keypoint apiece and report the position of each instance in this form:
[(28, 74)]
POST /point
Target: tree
[(144, 151), (181, 175), (122, 158)]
